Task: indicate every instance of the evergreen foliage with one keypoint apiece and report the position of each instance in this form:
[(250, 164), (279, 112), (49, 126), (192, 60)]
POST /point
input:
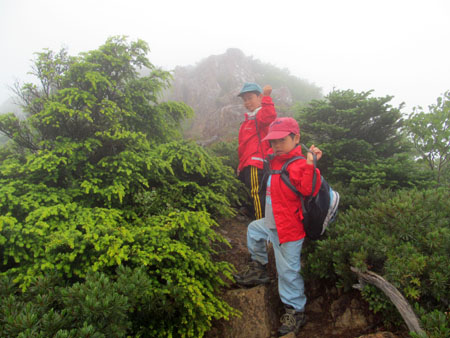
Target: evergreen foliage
[(114, 305), (360, 139), (401, 234), (102, 199), (227, 151), (3, 139), (404, 237), (107, 215)]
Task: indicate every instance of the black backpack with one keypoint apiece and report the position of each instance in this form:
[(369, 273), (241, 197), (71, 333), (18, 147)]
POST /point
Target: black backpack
[(318, 211)]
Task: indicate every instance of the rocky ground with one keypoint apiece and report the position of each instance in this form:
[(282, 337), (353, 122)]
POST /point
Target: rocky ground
[(330, 313)]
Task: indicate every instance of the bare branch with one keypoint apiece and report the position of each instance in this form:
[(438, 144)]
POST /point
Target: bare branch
[(402, 305)]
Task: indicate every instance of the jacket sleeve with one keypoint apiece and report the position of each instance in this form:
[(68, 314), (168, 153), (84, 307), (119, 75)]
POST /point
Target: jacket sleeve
[(302, 178), (267, 114)]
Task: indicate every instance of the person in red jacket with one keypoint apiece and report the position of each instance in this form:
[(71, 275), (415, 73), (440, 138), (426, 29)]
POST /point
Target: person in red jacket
[(252, 149), (282, 224)]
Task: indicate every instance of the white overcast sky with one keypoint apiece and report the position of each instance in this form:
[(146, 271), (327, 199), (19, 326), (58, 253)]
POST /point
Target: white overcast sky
[(395, 47)]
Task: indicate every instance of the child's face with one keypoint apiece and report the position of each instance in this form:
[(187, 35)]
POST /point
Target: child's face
[(284, 145), (251, 101)]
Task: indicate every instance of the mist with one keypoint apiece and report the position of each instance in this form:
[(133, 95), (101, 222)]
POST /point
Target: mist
[(395, 48)]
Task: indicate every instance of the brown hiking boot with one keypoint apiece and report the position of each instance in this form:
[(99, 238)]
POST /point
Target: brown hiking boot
[(291, 321), (254, 274)]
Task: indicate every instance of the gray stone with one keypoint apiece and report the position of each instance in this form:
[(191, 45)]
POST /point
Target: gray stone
[(256, 314)]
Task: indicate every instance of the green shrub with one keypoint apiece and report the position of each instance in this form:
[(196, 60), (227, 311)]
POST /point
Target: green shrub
[(192, 179), (227, 151), (175, 286), (435, 323), (98, 190), (404, 236)]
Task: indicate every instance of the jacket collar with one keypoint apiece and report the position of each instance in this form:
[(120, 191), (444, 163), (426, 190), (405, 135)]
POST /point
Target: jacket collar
[(297, 151), (251, 115)]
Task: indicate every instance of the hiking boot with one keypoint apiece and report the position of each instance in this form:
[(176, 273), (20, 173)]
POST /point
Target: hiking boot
[(254, 274), (291, 321)]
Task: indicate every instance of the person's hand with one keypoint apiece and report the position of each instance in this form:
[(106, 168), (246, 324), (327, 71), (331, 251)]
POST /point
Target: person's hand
[(267, 90), (238, 172), (316, 151)]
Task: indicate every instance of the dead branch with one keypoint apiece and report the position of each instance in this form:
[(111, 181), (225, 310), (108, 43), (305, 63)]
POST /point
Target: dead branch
[(402, 305)]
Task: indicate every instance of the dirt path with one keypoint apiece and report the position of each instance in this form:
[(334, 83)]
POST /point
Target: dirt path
[(322, 304)]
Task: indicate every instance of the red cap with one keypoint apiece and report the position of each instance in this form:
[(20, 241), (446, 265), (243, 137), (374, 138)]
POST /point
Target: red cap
[(282, 127)]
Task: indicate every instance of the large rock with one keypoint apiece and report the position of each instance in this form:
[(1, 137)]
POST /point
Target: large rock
[(349, 315), (211, 88), (257, 315)]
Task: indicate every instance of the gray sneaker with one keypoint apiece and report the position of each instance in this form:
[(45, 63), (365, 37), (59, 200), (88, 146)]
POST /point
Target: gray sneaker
[(254, 274), (291, 321)]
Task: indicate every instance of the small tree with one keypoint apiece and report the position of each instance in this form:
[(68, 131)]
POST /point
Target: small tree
[(430, 134), (98, 178), (360, 139)]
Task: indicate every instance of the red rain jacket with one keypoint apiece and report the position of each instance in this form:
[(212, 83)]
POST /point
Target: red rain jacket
[(286, 205), (251, 151)]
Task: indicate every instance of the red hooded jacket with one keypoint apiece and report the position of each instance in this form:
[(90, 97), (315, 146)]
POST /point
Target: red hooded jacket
[(286, 205), (251, 150)]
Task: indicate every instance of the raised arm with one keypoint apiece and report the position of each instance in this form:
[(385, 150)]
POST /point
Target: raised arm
[(267, 114)]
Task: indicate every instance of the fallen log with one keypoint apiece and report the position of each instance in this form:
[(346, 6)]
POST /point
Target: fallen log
[(402, 305)]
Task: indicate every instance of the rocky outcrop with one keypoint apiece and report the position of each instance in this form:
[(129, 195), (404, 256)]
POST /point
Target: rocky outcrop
[(256, 319), (329, 314), (211, 88)]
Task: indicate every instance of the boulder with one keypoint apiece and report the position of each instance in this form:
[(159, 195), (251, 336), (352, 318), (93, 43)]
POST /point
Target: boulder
[(257, 317)]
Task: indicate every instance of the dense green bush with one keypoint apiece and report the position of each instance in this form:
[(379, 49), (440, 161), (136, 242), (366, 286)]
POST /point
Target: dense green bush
[(194, 179), (98, 191), (227, 151), (174, 251), (361, 141), (436, 323), (404, 236), (128, 302)]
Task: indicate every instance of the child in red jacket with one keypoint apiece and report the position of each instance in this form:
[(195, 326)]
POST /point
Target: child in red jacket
[(282, 224), (252, 149)]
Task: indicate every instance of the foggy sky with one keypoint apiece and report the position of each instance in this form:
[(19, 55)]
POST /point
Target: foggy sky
[(395, 47)]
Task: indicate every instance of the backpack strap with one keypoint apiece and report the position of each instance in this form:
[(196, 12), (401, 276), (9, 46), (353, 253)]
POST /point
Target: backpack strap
[(284, 174), (267, 171)]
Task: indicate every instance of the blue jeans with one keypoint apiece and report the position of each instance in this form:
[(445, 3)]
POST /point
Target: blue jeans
[(287, 257)]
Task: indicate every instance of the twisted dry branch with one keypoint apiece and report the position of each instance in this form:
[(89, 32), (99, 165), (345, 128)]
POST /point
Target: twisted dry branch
[(402, 305)]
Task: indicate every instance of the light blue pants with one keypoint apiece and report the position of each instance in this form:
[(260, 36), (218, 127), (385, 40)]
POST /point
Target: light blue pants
[(287, 257)]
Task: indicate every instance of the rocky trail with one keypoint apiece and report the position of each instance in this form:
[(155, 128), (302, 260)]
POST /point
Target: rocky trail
[(330, 313)]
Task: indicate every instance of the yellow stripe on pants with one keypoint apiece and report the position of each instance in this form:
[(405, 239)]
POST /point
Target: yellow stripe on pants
[(254, 192)]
